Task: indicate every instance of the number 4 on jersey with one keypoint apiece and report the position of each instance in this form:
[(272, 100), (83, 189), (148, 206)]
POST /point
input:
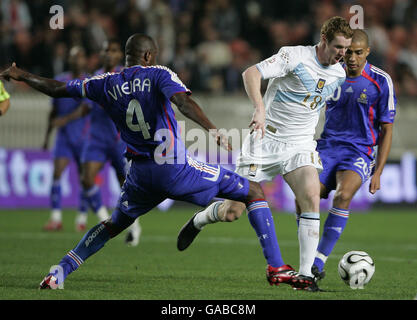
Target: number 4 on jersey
[(134, 108)]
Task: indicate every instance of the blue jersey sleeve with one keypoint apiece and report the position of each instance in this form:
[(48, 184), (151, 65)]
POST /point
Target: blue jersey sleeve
[(90, 89), (387, 101), (94, 87), (74, 88), (170, 84)]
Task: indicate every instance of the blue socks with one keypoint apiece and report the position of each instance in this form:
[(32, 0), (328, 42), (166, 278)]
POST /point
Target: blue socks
[(333, 228), (56, 194), (83, 205), (261, 219), (93, 241), (93, 197)]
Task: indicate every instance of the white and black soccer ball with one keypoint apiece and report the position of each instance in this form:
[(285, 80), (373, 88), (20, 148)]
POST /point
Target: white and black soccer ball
[(356, 269)]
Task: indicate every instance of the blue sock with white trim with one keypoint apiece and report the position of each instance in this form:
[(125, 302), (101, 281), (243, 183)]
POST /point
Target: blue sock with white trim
[(92, 241), (333, 228), (261, 219)]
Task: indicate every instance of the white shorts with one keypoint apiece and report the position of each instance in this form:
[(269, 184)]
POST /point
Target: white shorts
[(263, 160)]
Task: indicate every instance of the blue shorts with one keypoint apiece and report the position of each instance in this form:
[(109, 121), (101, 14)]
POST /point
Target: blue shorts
[(148, 183), (65, 148), (98, 151), (336, 157)]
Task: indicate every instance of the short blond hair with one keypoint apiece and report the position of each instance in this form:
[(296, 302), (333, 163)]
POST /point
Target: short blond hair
[(336, 26)]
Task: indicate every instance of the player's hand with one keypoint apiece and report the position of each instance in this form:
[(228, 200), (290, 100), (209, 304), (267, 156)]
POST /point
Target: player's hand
[(12, 72), (221, 140), (59, 122), (258, 121), (375, 185)]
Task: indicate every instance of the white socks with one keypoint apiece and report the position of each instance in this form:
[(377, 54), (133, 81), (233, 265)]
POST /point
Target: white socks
[(81, 218), (308, 237), (135, 230), (56, 215), (102, 214), (208, 215)]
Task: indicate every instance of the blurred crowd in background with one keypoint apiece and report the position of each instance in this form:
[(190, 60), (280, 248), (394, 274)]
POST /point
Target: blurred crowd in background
[(207, 42)]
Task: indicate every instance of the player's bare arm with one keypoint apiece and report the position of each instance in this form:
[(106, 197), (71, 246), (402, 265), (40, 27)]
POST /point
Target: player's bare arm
[(384, 148), (50, 87), (192, 110), (252, 81), (78, 113)]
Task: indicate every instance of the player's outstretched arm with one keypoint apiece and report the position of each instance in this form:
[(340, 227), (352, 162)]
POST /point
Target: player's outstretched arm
[(82, 110), (192, 110), (384, 148), (50, 87)]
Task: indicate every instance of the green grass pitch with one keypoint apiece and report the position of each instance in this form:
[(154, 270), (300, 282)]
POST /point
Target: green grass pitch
[(224, 263)]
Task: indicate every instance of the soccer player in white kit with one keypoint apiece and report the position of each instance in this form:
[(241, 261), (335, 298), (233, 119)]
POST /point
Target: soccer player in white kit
[(282, 138)]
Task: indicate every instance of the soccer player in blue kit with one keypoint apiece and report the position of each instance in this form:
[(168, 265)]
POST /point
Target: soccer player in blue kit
[(69, 139), (138, 99), (102, 143), (355, 141)]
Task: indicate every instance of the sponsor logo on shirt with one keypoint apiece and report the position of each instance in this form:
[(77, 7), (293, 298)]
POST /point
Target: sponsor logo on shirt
[(320, 85), (363, 97), (252, 170)]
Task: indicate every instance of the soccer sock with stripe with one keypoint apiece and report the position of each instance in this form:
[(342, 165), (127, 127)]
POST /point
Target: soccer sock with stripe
[(55, 198), (261, 219), (93, 241), (308, 237), (333, 228), (206, 216)]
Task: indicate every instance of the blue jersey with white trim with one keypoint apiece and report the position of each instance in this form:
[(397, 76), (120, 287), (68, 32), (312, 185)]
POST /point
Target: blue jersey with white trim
[(138, 101), (358, 107)]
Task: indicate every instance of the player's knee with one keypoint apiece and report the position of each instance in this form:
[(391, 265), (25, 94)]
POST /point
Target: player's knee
[(342, 198), (115, 227), (112, 228), (255, 191), (312, 196), (57, 174), (87, 180), (309, 201)]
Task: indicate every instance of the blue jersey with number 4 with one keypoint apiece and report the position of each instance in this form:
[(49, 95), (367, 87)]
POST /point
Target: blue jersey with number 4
[(138, 101)]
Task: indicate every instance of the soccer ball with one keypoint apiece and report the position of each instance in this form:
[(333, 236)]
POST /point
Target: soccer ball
[(356, 269)]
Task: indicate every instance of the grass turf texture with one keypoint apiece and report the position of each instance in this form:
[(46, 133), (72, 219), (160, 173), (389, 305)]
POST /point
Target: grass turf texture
[(224, 263)]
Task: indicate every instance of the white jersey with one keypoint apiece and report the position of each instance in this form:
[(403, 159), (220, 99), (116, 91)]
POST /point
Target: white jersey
[(297, 89)]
